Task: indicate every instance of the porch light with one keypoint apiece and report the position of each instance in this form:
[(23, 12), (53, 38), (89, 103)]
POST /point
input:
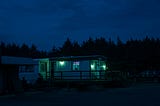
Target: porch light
[(104, 67), (61, 63), (92, 66)]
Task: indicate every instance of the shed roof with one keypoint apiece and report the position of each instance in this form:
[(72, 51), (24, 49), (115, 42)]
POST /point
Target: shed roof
[(17, 60)]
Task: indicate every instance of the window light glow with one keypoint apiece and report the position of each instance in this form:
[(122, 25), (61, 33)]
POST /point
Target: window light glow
[(104, 67), (76, 63), (92, 66)]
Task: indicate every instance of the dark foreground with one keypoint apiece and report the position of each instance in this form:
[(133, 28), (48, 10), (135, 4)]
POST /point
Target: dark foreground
[(137, 95)]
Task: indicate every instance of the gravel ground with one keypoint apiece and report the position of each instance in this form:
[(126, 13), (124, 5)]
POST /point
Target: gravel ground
[(137, 95)]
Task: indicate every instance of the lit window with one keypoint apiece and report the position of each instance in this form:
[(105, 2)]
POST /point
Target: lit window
[(76, 65), (92, 67)]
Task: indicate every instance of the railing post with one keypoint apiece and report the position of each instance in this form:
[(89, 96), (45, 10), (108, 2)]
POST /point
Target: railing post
[(101, 75), (61, 75), (80, 75)]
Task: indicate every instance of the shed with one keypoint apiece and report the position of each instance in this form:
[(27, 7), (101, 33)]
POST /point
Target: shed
[(9, 73)]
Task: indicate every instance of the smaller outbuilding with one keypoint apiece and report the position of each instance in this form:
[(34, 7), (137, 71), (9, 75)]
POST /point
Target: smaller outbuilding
[(9, 72)]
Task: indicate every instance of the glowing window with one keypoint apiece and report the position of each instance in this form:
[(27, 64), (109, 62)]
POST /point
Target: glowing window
[(92, 67), (76, 65)]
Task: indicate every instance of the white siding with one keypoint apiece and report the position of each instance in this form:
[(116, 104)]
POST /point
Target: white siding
[(31, 77), (85, 65), (66, 67)]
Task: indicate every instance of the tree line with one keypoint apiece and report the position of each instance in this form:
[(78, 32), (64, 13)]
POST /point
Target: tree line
[(133, 55), (21, 51)]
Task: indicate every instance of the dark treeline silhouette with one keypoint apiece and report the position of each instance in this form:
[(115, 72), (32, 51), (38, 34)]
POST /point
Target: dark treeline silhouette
[(21, 51), (133, 55)]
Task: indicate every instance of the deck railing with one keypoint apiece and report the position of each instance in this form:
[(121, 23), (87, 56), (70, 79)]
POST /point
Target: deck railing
[(79, 75), (88, 75)]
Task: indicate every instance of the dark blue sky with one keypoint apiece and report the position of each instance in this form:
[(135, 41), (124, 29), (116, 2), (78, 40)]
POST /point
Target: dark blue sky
[(49, 22)]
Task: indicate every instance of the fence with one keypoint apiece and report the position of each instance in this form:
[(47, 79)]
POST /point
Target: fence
[(79, 75), (89, 75)]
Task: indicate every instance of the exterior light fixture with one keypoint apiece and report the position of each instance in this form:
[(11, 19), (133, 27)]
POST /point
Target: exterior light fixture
[(104, 67), (92, 66), (61, 63)]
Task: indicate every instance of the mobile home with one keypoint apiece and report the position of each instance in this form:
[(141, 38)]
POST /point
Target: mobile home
[(73, 67)]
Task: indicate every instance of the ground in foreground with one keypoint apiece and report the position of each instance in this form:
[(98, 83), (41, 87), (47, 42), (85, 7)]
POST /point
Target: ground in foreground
[(137, 95)]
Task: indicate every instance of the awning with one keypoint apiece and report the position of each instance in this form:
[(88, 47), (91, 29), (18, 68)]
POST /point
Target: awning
[(17, 60)]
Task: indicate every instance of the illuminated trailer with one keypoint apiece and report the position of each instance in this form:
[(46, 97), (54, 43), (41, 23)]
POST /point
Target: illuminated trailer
[(74, 67)]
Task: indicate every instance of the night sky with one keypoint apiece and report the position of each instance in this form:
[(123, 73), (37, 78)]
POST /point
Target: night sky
[(49, 22)]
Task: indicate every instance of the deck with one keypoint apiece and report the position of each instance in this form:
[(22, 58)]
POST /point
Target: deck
[(86, 78)]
